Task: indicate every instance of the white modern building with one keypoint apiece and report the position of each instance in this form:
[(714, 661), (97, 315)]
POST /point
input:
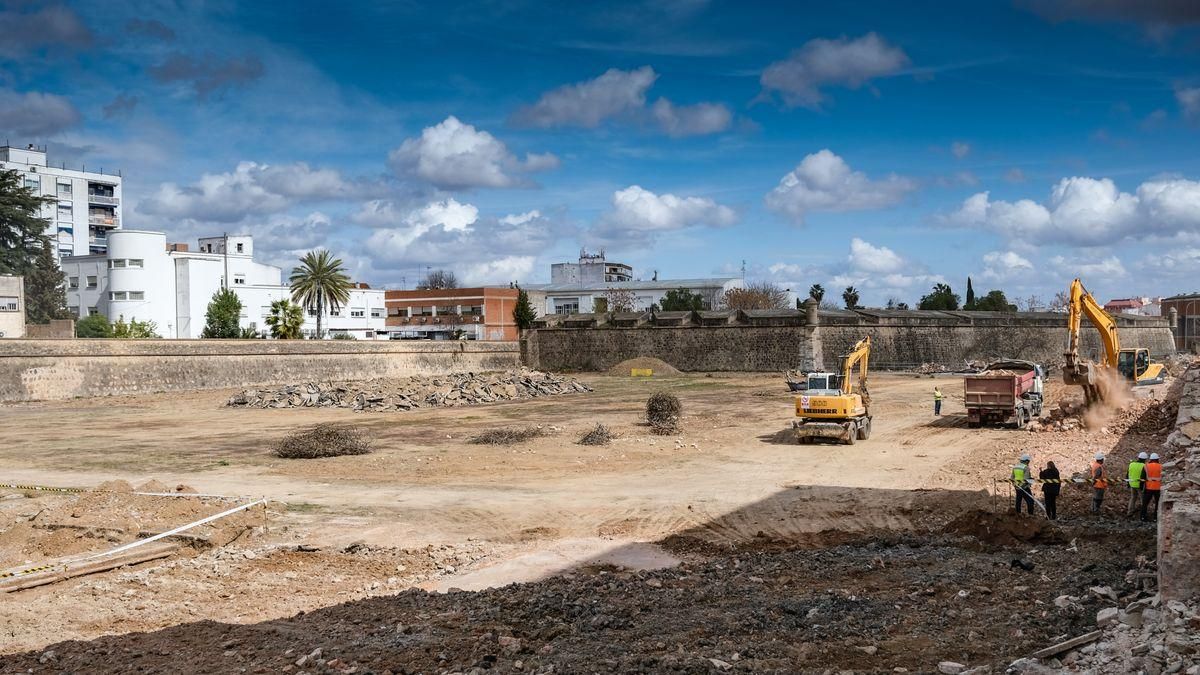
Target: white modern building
[(87, 204), (12, 306), (140, 276), (575, 287)]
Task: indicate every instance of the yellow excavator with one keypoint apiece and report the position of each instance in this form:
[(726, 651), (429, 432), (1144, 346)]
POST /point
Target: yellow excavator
[(1132, 364), (831, 408)]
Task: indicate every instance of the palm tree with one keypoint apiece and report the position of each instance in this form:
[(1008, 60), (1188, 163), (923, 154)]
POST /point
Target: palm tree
[(816, 292), (850, 296), (285, 320), (320, 281)]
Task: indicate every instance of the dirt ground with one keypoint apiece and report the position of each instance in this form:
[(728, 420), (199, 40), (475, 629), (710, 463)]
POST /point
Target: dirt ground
[(428, 511)]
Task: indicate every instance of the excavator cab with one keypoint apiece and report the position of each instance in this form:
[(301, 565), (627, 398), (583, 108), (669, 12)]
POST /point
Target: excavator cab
[(1133, 362)]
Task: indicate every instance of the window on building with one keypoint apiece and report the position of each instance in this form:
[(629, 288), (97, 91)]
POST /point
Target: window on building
[(33, 183), (357, 312), (74, 310), (136, 262), (376, 313), (335, 312), (239, 279), (91, 282), (64, 189), (116, 263), (65, 212), (473, 310), (312, 312), (93, 310), (447, 309), (137, 295), (240, 247), (566, 305), (117, 295), (9, 303), (422, 311), (73, 282)]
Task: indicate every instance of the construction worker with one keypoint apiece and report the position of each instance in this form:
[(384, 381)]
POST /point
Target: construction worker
[(937, 401), (1135, 482), (1023, 483), (1050, 487), (1152, 475), (1099, 483)]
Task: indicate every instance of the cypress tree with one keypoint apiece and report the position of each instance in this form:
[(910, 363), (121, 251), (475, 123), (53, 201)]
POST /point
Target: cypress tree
[(970, 304), (45, 288), (523, 313)]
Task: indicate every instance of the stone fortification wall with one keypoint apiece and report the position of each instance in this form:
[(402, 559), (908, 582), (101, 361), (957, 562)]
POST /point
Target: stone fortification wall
[(1179, 512), (776, 341), (59, 369)]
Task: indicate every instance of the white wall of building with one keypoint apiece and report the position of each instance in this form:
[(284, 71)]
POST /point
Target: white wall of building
[(558, 300), (73, 225), (12, 306)]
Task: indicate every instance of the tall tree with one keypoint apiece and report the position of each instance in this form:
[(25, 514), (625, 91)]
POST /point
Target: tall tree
[(757, 295), (816, 292), (438, 279), (941, 297), (224, 313), (22, 229), (45, 288), (994, 301), (970, 304), (523, 313), (682, 300), (320, 281), (850, 297), (285, 320)]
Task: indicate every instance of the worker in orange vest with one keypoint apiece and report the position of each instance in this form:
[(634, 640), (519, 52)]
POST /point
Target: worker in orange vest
[(1099, 483), (1151, 485)]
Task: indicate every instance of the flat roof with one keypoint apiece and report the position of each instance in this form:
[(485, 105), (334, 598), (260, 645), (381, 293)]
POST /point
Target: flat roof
[(661, 284)]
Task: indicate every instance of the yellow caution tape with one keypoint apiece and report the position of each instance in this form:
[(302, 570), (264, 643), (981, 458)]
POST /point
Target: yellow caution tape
[(43, 488), (70, 490), (27, 570)]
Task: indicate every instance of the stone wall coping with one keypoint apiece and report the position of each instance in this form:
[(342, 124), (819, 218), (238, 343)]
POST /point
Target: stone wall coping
[(103, 347)]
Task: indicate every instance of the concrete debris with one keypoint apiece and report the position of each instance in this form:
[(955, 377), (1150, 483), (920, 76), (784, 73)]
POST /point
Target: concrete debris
[(457, 389)]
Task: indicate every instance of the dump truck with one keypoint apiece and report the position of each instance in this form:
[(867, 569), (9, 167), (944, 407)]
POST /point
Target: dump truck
[(1006, 392), (831, 407)]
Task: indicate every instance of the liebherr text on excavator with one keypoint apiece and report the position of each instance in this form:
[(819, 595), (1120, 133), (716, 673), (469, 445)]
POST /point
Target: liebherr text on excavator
[(1132, 364), (831, 408)]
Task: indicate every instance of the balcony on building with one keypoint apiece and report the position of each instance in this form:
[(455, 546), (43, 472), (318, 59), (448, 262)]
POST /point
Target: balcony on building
[(102, 193)]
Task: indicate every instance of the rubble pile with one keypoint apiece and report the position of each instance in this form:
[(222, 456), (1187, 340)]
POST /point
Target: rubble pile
[(1144, 635), (1144, 416), (456, 389)]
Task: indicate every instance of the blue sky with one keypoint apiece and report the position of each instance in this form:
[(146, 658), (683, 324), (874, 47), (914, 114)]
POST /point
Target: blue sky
[(886, 145)]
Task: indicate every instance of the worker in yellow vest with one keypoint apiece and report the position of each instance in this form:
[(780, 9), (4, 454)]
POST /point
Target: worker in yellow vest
[(1152, 475), (1099, 483), (1135, 482), (937, 401), (1022, 480)]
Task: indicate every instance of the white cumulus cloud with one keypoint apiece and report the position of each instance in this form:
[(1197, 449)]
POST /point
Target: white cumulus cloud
[(867, 257), (1088, 212), (638, 213), (1003, 265), (799, 78), (1103, 268), (250, 189), (453, 155), (499, 271), (621, 95), (824, 182)]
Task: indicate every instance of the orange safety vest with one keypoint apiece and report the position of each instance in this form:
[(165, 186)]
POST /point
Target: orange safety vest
[(1098, 479), (1154, 476)]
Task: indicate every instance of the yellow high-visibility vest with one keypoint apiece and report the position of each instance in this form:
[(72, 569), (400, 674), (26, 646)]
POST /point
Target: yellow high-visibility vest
[(1135, 474)]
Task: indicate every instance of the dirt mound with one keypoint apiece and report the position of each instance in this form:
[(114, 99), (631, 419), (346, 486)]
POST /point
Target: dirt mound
[(1004, 529), (115, 486), (659, 367), (153, 486)]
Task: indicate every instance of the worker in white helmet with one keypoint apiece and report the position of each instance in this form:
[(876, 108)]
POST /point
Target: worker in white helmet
[(1022, 479), (1152, 477), (1099, 482), (1135, 482)]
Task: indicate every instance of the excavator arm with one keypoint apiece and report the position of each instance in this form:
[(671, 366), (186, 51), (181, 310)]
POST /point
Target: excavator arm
[(1083, 304), (859, 356)]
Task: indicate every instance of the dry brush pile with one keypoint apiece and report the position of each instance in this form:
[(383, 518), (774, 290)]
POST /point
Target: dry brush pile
[(456, 389), (663, 412)]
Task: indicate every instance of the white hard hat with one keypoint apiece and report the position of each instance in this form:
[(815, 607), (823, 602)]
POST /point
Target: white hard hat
[(1142, 455), (1025, 457), (1154, 455), (1099, 455)]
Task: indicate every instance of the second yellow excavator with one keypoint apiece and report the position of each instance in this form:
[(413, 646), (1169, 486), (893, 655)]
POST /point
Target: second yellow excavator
[(831, 407), (1132, 364)]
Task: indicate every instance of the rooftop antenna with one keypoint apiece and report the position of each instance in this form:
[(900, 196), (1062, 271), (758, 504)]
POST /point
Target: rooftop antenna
[(743, 271)]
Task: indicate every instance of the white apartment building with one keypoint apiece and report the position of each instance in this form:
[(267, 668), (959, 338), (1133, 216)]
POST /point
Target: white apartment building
[(12, 306), (87, 204), (140, 276)]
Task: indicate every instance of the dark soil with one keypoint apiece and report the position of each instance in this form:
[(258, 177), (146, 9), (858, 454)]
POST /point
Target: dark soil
[(867, 606)]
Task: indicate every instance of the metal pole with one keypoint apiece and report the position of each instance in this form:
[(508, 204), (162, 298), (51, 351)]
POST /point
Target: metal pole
[(225, 250)]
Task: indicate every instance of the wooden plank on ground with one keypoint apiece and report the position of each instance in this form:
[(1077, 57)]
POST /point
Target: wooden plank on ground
[(64, 571), (1067, 644)]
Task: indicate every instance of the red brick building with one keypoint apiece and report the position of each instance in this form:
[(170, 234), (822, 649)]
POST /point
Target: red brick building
[(480, 313)]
